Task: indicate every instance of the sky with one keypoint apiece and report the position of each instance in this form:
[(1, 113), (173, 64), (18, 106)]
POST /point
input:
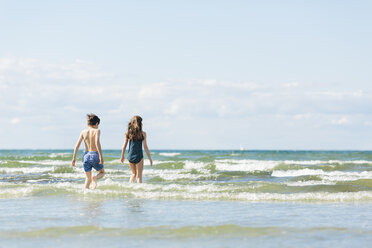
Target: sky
[(202, 74)]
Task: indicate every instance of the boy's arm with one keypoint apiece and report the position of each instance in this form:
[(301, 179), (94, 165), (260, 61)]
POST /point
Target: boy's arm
[(146, 147), (98, 144), (77, 148), (123, 149)]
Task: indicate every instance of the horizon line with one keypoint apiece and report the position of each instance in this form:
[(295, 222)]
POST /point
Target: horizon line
[(193, 149)]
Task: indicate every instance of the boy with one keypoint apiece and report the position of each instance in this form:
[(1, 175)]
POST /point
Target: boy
[(92, 157)]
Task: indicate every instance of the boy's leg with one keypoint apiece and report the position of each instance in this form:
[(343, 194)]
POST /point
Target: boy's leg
[(134, 172), (139, 171), (100, 174), (88, 179)]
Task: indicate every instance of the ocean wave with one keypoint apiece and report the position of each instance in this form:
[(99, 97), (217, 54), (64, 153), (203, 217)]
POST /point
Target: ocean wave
[(309, 183), (169, 165), (26, 170), (47, 162), (268, 165), (60, 154), (193, 171), (169, 154), (261, 197), (189, 165), (245, 165), (163, 176), (254, 192), (334, 175), (113, 162)]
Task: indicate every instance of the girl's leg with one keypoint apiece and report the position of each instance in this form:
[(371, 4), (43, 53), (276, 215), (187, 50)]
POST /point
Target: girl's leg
[(134, 172), (139, 171), (88, 179), (100, 174)]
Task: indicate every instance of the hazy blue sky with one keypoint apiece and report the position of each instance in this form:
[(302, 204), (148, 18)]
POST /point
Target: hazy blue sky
[(203, 74)]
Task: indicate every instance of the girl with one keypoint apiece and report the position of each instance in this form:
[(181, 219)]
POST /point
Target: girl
[(136, 137)]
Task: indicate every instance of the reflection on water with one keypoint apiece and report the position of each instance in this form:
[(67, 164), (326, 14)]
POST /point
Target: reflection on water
[(92, 209), (135, 205)]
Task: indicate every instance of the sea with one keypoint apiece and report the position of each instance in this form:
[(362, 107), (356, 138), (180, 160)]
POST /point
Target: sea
[(188, 198)]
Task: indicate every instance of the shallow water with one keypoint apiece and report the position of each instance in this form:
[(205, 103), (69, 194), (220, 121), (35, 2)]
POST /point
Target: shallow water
[(200, 198)]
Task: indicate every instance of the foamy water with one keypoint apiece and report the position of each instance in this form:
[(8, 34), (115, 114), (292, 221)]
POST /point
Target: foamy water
[(216, 197), (242, 178)]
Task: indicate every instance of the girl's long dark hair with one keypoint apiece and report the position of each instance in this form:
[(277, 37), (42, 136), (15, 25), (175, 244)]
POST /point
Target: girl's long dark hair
[(134, 132)]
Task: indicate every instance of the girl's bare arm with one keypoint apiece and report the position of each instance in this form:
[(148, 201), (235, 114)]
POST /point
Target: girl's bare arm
[(146, 147), (77, 148), (123, 149), (98, 145)]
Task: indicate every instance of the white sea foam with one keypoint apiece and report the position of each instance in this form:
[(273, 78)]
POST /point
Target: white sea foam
[(348, 177), (318, 172), (259, 197), (36, 181), (296, 173), (245, 165), (27, 170), (63, 154), (169, 154), (306, 162), (118, 162), (334, 176), (156, 162), (268, 165), (82, 175), (189, 165), (115, 161), (320, 162), (111, 188), (171, 176), (350, 162), (145, 162), (48, 162), (309, 183), (317, 196), (16, 192)]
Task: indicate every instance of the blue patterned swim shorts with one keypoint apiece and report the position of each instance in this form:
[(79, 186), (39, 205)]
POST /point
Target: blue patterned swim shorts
[(91, 160)]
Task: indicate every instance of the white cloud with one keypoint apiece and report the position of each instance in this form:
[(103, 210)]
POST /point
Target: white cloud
[(343, 95), (367, 123), (241, 86), (157, 90), (210, 82), (3, 85), (43, 93), (172, 109), (341, 121), (223, 110), (15, 121), (29, 84), (290, 85), (77, 70), (302, 116)]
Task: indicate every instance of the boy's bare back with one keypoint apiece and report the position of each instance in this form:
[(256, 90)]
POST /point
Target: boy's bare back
[(90, 137)]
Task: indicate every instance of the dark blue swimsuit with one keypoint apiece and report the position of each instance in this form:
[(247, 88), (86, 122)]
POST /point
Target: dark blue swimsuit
[(135, 154)]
